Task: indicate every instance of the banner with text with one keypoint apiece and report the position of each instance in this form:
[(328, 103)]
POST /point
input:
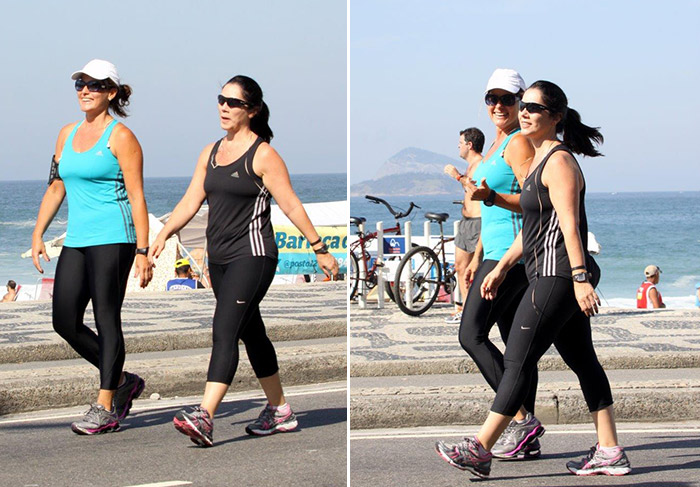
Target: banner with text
[(296, 255)]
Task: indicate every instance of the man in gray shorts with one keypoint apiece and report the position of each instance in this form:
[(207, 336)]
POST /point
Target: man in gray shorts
[(471, 143)]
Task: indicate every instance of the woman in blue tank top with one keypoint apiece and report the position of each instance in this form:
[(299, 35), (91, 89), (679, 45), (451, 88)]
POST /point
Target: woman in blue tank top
[(98, 167), (497, 182)]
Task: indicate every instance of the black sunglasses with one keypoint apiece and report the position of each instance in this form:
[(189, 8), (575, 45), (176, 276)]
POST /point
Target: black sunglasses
[(506, 100), (93, 85), (233, 102), (533, 107)]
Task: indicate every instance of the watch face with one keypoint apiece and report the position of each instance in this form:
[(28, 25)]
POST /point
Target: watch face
[(581, 277)]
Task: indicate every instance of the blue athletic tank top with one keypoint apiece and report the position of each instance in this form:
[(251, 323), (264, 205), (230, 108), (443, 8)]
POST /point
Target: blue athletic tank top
[(99, 212), (499, 226)]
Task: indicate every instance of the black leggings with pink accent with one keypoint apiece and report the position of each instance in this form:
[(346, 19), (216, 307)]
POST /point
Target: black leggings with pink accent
[(549, 314), (239, 287), (98, 274)]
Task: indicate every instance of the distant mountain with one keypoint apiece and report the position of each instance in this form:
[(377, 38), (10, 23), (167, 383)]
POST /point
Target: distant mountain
[(409, 172)]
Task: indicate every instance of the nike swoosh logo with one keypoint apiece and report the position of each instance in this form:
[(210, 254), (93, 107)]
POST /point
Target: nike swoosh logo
[(525, 327), (239, 302)]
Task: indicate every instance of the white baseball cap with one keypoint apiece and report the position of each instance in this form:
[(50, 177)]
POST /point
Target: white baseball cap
[(99, 69), (506, 79), (651, 270)]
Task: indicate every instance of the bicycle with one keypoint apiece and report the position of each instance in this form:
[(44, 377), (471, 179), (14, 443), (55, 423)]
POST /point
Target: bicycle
[(359, 248), (421, 272)]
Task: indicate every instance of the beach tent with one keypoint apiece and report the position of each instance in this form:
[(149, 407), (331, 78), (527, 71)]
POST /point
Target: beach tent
[(330, 214)]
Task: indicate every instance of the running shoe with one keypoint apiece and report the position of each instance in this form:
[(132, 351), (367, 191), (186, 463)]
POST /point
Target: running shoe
[(131, 389), (272, 421), (597, 462), (517, 437), (454, 319), (196, 423), (97, 420), (466, 456)]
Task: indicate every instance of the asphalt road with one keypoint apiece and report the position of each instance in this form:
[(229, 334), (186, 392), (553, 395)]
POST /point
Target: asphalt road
[(39, 449), (661, 456)]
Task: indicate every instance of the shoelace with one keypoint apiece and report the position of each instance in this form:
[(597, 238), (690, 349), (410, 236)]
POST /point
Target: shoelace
[(507, 433)]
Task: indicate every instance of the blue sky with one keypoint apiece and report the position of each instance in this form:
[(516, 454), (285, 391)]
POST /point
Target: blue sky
[(176, 55), (418, 71)]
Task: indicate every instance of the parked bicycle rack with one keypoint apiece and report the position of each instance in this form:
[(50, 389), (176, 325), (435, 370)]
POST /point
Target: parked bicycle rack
[(383, 268)]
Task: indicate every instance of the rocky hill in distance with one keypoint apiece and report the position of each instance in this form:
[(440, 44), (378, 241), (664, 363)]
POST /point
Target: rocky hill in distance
[(410, 172)]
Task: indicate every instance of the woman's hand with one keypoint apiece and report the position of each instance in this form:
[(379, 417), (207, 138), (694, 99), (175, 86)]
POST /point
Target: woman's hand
[(328, 265), (478, 193), (143, 269), (39, 249), (156, 248), (470, 272), (587, 298), (489, 287)]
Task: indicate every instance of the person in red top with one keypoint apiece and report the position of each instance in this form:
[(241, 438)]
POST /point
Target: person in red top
[(647, 294)]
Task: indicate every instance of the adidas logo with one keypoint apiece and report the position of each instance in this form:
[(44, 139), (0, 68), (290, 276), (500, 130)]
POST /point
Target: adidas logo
[(98, 153), (234, 174), (527, 188)]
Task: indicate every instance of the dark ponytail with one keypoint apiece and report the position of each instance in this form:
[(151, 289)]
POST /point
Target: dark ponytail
[(119, 103), (577, 136), (254, 96)]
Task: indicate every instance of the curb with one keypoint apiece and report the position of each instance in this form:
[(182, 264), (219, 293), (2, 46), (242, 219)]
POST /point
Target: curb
[(400, 409), (177, 378)]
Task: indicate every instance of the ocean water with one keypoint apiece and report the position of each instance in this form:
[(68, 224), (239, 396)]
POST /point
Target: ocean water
[(633, 229), (20, 200)]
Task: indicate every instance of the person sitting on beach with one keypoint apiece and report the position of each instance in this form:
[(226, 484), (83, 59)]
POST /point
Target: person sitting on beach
[(648, 297), (471, 143), (185, 279), (11, 292)]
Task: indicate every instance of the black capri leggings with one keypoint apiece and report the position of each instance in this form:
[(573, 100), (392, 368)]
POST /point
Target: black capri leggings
[(100, 274), (239, 286), (549, 313), (479, 316)]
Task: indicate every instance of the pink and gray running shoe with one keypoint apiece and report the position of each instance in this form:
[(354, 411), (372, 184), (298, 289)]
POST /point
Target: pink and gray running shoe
[(97, 420), (466, 455), (519, 440), (597, 462), (196, 423), (272, 421)]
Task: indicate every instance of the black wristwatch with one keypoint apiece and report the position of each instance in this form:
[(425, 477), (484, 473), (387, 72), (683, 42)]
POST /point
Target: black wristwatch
[(490, 199), (323, 249), (143, 251), (580, 277)]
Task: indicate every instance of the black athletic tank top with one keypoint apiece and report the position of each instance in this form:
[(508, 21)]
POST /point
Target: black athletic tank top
[(543, 243), (239, 223)]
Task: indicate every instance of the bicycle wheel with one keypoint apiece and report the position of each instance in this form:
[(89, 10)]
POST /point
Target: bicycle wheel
[(418, 275), (353, 276)]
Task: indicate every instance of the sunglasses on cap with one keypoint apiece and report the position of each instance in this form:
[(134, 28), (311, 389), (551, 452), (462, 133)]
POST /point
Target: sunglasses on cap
[(533, 107), (233, 102), (93, 85), (506, 100)]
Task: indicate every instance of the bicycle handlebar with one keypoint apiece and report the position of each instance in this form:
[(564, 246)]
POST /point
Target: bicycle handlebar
[(396, 214)]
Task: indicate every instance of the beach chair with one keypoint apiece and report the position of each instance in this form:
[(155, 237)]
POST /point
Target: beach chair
[(45, 289)]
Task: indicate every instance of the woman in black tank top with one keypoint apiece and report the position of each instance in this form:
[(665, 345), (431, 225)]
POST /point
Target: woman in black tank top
[(238, 175), (559, 300)]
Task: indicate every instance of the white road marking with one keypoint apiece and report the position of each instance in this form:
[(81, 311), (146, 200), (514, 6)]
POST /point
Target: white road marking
[(170, 483), (174, 403), (441, 433)]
